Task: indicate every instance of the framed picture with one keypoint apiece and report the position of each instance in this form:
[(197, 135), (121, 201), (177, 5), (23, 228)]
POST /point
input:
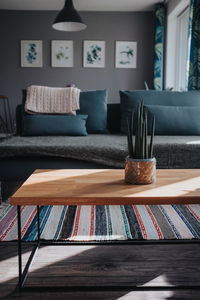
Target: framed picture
[(31, 53), (126, 54), (94, 54), (62, 54)]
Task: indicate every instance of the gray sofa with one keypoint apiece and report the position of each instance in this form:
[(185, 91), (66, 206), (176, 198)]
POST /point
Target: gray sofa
[(21, 155)]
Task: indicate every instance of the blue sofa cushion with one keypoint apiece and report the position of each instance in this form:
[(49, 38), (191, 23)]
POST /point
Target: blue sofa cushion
[(94, 104), (130, 99), (175, 120), (34, 125), (113, 118)]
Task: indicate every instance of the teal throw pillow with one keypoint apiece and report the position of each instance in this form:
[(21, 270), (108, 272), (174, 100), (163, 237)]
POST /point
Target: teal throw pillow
[(94, 104), (40, 125), (175, 120)]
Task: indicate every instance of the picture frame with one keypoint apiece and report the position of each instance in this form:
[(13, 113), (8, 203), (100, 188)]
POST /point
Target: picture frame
[(62, 53), (31, 53), (126, 54), (94, 54)]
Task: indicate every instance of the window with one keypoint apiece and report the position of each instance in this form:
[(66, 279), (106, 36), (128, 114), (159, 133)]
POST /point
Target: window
[(182, 47), (176, 44)]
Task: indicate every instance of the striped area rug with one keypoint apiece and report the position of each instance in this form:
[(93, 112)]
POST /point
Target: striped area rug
[(101, 223)]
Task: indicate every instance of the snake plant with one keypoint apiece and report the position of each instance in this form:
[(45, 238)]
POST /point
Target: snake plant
[(140, 148)]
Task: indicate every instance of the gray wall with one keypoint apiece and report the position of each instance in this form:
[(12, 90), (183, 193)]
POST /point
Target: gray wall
[(25, 25)]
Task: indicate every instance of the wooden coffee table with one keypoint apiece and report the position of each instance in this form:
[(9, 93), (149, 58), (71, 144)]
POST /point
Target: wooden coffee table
[(100, 187)]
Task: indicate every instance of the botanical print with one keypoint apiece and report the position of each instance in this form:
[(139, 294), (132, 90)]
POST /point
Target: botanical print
[(94, 54), (31, 53), (62, 54), (125, 54)]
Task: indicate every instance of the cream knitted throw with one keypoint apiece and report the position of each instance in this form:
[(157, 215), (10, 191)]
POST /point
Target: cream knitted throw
[(48, 100)]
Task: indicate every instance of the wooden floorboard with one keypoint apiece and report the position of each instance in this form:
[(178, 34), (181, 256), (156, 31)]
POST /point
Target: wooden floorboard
[(179, 295), (149, 265)]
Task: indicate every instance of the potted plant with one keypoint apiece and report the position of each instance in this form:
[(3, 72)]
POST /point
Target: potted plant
[(140, 165)]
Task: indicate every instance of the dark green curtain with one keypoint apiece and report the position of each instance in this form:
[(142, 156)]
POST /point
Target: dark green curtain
[(159, 46), (194, 46)]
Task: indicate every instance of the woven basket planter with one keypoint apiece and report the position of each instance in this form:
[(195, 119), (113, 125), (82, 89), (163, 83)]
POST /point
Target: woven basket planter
[(140, 171)]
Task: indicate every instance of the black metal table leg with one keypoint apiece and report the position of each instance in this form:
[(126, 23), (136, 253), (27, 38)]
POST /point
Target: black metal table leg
[(19, 247), (23, 274)]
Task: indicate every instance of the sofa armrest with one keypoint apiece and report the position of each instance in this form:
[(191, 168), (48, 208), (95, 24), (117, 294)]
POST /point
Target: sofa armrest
[(19, 119)]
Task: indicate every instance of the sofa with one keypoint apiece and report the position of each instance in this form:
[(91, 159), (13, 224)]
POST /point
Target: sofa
[(176, 143)]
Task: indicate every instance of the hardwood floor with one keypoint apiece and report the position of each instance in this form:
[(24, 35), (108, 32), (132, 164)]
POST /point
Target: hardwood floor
[(71, 266)]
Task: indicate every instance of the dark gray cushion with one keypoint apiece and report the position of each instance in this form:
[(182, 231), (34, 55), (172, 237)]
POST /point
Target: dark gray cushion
[(175, 120), (130, 99), (94, 104), (34, 125)]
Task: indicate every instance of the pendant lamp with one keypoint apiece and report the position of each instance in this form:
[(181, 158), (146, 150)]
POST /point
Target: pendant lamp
[(68, 19)]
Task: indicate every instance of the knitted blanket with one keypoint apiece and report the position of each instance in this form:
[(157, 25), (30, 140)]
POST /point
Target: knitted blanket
[(48, 100)]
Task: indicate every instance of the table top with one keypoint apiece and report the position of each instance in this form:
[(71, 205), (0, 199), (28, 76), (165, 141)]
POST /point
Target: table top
[(107, 187)]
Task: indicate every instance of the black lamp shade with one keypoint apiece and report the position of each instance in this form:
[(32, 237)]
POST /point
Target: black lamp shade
[(68, 19)]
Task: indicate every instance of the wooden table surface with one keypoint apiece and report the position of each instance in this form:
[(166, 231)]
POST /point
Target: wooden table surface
[(106, 186)]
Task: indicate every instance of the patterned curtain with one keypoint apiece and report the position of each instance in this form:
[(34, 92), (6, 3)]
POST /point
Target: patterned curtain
[(159, 46), (193, 66)]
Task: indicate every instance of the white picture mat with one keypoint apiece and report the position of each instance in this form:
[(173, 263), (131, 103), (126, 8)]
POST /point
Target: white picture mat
[(126, 54), (62, 53), (88, 48), (31, 53)]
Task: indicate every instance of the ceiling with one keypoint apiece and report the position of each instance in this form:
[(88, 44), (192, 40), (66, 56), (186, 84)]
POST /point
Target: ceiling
[(87, 5)]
